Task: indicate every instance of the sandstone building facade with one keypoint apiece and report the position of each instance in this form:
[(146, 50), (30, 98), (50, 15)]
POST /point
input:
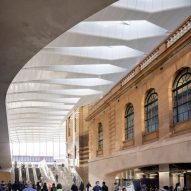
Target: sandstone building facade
[(145, 120)]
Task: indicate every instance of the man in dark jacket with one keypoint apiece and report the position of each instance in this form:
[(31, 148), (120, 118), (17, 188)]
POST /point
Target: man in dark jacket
[(9, 186), (81, 188), (97, 187), (104, 187), (74, 187)]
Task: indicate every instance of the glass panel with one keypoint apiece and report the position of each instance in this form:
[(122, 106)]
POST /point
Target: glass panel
[(151, 112), (182, 96), (129, 127), (100, 137)]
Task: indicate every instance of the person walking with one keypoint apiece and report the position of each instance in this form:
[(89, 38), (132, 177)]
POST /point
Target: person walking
[(88, 185)]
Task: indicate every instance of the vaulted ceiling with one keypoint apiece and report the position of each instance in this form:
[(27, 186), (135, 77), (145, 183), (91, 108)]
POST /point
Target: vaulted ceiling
[(84, 63), (26, 27)]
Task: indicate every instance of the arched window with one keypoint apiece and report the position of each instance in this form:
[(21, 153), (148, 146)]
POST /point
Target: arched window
[(129, 122), (151, 111), (182, 96), (100, 137)]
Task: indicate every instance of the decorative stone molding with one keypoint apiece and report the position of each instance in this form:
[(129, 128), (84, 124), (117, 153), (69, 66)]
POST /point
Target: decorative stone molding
[(179, 33), (149, 59), (129, 77)]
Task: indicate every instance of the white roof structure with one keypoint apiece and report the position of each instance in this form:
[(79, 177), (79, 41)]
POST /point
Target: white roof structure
[(84, 63)]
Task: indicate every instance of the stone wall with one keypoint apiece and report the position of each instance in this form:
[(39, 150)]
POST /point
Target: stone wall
[(169, 144)]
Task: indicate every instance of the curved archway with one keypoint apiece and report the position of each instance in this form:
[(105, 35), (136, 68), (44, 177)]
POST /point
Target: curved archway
[(26, 27)]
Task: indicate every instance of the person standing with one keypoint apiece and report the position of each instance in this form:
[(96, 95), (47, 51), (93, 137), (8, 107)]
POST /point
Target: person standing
[(104, 187), (81, 188), (53, 188), (1, 189), (38, 186), (56, 176), (29, 188), (9, 186), (3, 186), (178, 187), (14, 186), (74, 187), (45, 188), (97, 186), (59, 187)]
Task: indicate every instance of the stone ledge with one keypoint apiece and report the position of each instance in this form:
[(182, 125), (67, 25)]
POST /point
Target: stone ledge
[(150, 137), (128, 143)]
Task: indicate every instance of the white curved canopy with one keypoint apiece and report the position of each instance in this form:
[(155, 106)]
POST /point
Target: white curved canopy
[(84, 63)]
